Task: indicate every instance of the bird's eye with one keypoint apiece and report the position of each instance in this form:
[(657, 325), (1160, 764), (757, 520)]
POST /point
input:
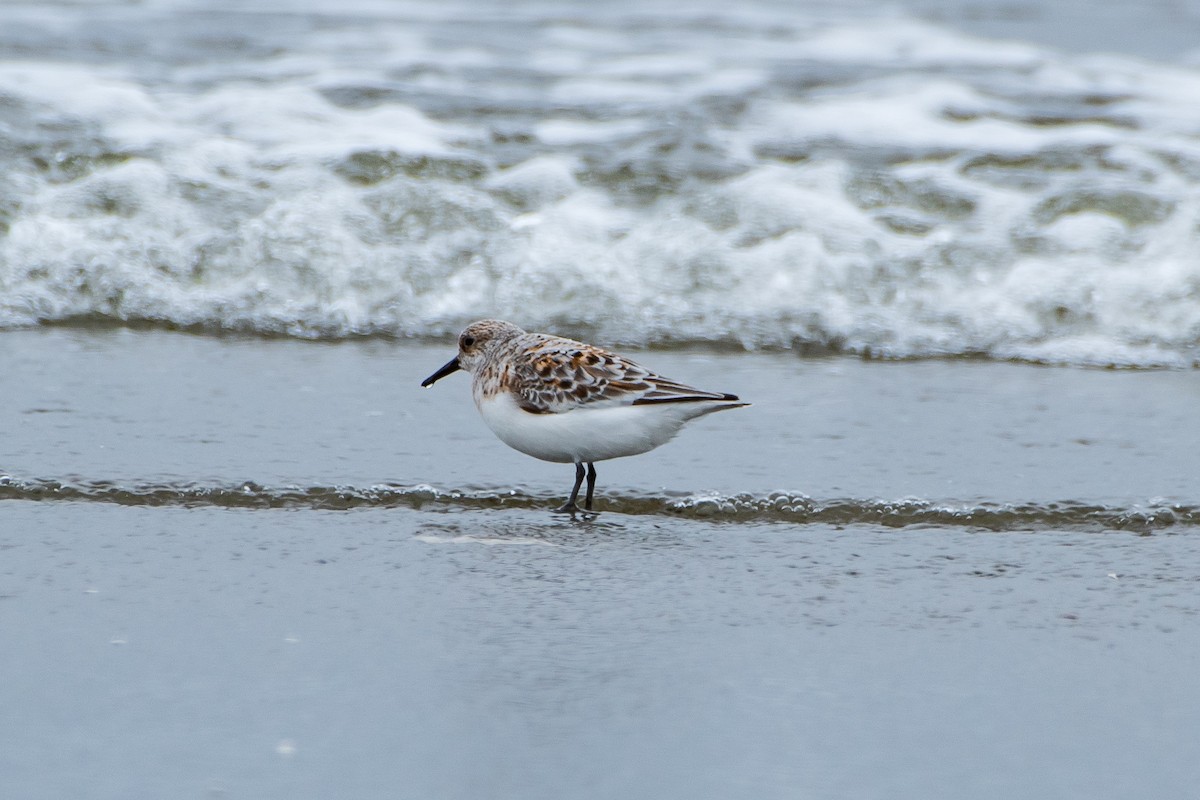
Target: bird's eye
[(468, 342)]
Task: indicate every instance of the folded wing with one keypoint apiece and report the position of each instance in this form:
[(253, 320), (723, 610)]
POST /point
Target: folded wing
[(555, 374)]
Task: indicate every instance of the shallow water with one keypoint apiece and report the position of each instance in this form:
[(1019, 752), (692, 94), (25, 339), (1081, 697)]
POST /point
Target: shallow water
[(119, 410), (256, 560), (937, 578), (213, 652)]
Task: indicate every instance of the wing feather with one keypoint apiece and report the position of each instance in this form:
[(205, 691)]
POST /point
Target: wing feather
[(555, 374)]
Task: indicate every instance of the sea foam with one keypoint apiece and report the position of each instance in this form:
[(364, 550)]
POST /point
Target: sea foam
[(766, 180)]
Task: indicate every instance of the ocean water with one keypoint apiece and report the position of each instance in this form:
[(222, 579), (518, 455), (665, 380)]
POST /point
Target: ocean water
[(234, 567), (947, 250), (851, 178)]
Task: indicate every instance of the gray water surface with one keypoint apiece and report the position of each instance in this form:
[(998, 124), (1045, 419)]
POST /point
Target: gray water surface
[(201, 652), (130, 406), (190, 647)]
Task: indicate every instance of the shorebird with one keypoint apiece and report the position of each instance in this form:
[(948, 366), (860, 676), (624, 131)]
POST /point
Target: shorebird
[(573, 403)]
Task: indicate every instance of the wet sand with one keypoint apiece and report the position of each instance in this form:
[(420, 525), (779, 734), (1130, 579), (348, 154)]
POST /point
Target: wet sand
[(460, 651)]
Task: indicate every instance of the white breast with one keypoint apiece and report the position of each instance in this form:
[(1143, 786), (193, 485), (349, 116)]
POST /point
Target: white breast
[(589, 433)]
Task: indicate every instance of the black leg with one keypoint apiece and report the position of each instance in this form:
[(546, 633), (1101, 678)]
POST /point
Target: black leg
[(569, 507), (591, 476)]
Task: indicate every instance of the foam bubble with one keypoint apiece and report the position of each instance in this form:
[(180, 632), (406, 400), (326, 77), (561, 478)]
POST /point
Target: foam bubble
[(894, 189)]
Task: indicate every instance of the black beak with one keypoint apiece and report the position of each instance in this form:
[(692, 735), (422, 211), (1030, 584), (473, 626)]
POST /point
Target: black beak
[(451, 366)]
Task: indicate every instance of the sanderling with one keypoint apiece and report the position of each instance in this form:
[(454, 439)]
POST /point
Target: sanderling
[(569, 402)]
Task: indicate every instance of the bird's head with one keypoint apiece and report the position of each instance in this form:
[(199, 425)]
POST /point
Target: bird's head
[(475, 344)]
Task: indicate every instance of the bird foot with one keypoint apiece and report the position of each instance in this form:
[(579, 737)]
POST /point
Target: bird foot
[(574, 510)]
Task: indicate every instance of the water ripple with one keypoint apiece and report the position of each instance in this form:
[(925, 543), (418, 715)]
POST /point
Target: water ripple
[(777, 507)]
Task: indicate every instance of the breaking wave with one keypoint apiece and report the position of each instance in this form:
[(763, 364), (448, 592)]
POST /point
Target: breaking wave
[(756, 175)]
